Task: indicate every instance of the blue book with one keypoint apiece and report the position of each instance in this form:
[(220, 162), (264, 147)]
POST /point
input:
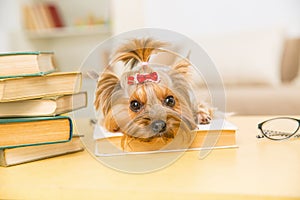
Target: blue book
[(19, 132), (32, 63)]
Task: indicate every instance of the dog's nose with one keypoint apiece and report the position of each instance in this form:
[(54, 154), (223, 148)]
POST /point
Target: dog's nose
[(158, 126)]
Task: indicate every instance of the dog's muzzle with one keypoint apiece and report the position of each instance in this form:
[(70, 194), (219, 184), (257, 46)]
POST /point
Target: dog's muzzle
[(158, 126)]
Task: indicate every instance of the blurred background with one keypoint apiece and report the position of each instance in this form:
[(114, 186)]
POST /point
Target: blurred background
[(255, 44)]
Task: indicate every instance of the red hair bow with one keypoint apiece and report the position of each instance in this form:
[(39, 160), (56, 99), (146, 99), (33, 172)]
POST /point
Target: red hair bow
[(142, 78)]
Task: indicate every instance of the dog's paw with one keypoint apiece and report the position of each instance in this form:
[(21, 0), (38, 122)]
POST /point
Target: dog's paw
[(203, 115), (203, 118)]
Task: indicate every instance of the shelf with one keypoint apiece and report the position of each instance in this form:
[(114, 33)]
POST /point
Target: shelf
[(68, 32)]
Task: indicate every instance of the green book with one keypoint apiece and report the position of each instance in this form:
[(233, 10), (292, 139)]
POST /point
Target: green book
[(19, 155), (43, 107), (19, 132), (31, 63), (32, 87)]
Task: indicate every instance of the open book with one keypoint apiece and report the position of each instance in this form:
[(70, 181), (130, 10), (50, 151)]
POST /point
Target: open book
[(218, 134)]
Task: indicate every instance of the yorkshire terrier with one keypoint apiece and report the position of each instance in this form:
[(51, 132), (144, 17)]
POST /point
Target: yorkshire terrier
[(150, 104)]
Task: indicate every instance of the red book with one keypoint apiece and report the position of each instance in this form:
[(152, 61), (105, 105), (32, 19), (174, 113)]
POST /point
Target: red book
[(55, 15)]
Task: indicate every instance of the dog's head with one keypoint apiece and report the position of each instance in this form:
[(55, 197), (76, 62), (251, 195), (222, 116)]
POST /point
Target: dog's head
[(147, 102)]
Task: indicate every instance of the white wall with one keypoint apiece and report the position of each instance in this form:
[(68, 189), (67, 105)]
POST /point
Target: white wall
[(186, 16), (9, 22), (207, 16), (189, 17), (127, 15)]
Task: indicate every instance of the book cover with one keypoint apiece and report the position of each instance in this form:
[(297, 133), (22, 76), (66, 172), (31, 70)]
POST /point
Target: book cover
[(20, 155), (17, 132), (15, 53), (218, 134), (31, 87), (31, 63), (50, 106)]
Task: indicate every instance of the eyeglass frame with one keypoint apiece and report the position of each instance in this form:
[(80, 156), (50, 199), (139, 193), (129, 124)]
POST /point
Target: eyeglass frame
[(259, 126)]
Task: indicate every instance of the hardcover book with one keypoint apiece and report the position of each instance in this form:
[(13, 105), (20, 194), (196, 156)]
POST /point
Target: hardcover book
[(50, 106), (30, 87), (18, 155), (16, 132), (33, 63), (206, 136), (55, 15)]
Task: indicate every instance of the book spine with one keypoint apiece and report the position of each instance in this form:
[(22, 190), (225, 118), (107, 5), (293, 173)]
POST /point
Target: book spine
[(32, 18), (56, 17), (27, 22), (43, 15)]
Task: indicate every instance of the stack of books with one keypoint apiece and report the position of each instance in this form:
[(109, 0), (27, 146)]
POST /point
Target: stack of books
[(32, 98)]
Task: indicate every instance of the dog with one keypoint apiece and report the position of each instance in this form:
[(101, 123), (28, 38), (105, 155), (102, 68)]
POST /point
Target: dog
[(149, 104)]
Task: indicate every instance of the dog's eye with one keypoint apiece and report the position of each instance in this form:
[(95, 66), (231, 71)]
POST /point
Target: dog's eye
[(169, 101), (135, 106)]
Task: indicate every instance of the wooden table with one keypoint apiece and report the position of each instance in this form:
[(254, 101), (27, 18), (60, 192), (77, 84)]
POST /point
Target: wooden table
[(260, 169)]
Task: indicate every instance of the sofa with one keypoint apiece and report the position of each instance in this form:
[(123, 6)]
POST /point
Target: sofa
[(264, 71), (260, 70)]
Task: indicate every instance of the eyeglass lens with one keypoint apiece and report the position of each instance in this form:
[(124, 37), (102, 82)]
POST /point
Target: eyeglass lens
[(280, 128)]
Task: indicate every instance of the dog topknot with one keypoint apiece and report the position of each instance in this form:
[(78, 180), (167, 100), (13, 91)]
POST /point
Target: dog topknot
[(137, 51)]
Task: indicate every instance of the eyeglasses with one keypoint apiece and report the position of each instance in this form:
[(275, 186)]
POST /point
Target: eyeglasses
[(279, 128)]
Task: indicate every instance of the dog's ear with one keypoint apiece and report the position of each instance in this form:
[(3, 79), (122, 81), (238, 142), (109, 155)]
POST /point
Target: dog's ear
[(110, 123), (182, 66), (107, 84)]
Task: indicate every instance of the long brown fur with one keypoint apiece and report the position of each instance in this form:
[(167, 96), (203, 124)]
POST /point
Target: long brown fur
[(137, 50), (113, 96), (107, 83)]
